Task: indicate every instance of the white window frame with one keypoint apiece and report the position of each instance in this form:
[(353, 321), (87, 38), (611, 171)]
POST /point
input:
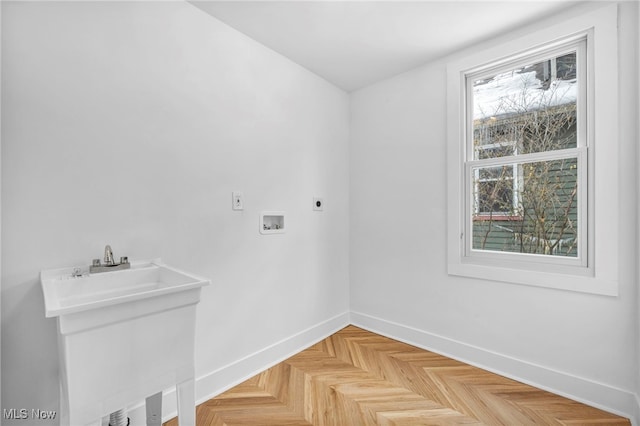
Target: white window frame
[(595, 270)]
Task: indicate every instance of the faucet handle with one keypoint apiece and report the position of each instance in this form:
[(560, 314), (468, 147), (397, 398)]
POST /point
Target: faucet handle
[(96, 262)]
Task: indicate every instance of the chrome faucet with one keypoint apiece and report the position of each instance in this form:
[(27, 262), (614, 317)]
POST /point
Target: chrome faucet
[(108, 255), (109, 263)]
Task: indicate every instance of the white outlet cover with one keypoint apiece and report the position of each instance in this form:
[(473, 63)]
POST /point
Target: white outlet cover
[(318, 204)]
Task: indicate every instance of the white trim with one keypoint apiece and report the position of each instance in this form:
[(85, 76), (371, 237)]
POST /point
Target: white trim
[(600, 276), (230, 375), (595, 394), (589, 392)]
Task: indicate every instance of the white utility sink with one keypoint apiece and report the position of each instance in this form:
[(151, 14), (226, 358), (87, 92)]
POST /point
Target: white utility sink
[(123, 336), (65, 294)]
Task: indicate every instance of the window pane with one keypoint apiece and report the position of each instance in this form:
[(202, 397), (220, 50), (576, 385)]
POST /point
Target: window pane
[(532, 209), (494, 191), (495, 150), (495, 197), (496, 173), (532, 108)]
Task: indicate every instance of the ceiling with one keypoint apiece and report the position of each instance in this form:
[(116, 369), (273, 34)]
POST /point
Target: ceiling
[(355, 43)]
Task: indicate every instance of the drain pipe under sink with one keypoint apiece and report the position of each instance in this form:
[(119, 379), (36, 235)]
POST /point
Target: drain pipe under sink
[(119, 418)]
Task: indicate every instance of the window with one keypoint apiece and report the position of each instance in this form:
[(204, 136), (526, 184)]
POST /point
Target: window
[(523, 129), (529, 114)]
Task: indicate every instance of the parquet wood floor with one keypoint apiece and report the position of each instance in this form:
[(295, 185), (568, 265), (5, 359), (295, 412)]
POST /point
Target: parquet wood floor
[(358, 378)]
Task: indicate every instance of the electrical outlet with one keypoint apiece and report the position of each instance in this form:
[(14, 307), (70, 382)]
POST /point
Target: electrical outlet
[(318, 204), (237, 201)]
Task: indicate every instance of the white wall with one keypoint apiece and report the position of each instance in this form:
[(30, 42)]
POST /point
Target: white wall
[(637, 371), (578, 344), (130, 124), (0, 206)]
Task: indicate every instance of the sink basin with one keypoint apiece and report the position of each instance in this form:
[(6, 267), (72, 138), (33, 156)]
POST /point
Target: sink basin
[(123, 336), (66, 294)]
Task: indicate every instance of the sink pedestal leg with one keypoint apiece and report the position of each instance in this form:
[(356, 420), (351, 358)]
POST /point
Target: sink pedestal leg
[(153, 406), (186, 403)]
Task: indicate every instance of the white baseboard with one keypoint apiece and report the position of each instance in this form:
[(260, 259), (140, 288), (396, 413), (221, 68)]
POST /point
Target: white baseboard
[(237, 372), (596, 394), (230, 375), (599, 395)]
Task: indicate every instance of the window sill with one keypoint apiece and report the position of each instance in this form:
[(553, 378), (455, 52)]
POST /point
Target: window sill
[(577, 281)]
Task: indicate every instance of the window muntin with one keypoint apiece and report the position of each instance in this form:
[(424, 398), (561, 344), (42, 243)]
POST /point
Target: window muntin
[(526, 131)]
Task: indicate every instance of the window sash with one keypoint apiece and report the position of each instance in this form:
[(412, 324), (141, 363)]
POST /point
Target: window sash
[(580, 154), (577, 44)]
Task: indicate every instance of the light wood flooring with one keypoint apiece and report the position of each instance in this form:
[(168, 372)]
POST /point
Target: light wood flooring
[(355, 378)]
